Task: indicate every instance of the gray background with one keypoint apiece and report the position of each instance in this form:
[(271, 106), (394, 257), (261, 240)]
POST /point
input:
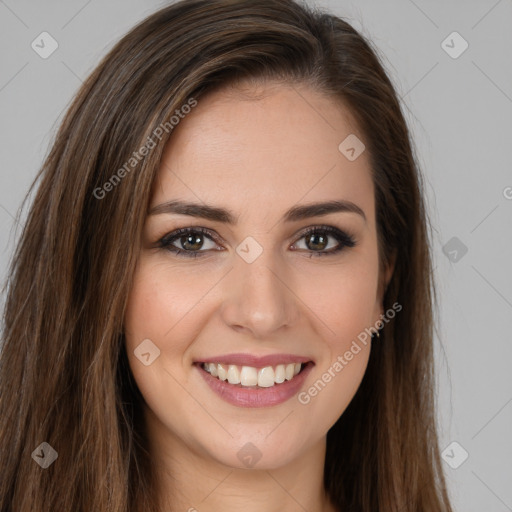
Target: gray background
[(459, 111)]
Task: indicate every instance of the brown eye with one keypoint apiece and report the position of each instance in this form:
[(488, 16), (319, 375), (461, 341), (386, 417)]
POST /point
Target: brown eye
[(191, 242), (188, 242), (317, 240)]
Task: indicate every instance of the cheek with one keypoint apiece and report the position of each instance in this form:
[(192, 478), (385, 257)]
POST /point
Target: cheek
[(351, 312), (342, 299), (155, 311), (339, 374), (344, 309), (336, 383), (164, 306), (160, 304)]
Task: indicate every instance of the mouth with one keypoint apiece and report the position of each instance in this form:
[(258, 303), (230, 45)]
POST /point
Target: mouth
[(254, 386), (242, 376)]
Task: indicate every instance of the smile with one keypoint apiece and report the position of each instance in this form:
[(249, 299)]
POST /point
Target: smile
[(249, 376), (255, 386)]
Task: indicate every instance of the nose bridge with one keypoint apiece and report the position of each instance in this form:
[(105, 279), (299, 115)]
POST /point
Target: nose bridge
[(257, 296)]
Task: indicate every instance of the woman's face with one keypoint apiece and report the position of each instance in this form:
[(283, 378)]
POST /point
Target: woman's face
[(254, 290)]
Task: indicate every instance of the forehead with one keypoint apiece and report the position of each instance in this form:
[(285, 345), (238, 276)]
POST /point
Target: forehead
[(264, 148)]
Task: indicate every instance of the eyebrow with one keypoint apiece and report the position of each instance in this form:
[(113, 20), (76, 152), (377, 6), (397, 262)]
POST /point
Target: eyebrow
[(218, 214)]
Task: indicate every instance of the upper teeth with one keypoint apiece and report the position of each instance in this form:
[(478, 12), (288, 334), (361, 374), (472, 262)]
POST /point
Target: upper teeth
[(250, 376)]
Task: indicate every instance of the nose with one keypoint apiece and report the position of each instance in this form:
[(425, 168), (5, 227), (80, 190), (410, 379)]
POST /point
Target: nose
[(259, 297)]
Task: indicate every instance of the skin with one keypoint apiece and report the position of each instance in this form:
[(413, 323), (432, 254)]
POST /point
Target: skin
[(257, 156)]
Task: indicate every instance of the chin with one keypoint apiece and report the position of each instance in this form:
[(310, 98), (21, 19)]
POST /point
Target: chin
[(258, 452)]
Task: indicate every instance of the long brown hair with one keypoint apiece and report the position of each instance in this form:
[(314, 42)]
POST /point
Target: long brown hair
[(64, 374)]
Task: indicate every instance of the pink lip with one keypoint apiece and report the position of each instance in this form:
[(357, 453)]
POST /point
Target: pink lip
[(255, 361), (254, 396)]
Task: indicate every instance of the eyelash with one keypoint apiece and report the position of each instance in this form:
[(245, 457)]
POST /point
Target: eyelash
[(343, 239)]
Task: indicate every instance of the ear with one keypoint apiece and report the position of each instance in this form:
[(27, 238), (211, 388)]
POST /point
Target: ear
[(388, 272), (386, 276), (384, 280)]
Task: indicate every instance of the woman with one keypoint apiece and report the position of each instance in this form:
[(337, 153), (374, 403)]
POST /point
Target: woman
[(222, 298)]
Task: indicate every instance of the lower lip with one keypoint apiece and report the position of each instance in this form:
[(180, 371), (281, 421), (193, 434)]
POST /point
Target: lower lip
[(256, 397)]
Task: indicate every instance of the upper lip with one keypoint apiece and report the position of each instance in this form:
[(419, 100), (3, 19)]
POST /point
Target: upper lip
[(256, 361)]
